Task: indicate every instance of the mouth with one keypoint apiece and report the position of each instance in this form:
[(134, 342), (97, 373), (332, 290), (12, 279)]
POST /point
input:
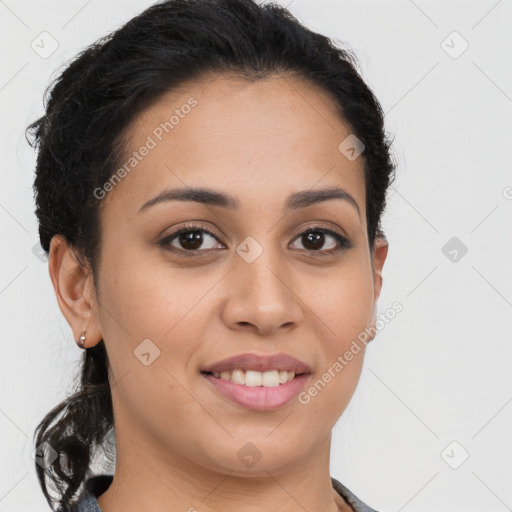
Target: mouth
[(255, 378), (259, 391), (260, 382), (254, 362)]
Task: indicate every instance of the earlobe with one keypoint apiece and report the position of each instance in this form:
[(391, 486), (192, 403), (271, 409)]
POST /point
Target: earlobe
[(380, 253), (372, 324), (72, 283)]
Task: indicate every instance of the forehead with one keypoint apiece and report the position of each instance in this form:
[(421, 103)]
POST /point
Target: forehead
[(260, 139)]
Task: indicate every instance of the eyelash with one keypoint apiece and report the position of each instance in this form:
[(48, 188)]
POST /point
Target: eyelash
[(343, 243)]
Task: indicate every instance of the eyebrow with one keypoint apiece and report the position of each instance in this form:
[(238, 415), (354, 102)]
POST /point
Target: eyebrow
[(212, 197)]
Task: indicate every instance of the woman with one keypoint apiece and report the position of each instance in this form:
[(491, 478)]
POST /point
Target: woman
[(209, 187)]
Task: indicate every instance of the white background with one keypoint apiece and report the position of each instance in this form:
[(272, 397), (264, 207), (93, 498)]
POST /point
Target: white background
[(437, 373)]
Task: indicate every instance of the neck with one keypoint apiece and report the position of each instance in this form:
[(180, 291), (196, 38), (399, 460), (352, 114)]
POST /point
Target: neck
[(148, 479)]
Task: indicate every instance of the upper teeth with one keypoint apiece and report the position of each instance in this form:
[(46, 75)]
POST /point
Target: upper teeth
[(253, 378)]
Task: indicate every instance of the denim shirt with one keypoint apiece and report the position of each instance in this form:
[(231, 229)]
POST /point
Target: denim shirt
[(98, 484)]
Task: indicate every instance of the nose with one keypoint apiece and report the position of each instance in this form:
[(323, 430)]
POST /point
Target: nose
[(262, 296)]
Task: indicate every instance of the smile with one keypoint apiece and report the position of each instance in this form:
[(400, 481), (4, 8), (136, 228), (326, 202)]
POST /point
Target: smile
[(254, 378), (260, 391)]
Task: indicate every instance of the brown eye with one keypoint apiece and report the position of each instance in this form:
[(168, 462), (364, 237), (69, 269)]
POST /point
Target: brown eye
[(315, 238), (190, 239), (313, 241)]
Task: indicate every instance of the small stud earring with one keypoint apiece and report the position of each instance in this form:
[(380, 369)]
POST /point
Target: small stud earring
[(81, 341)]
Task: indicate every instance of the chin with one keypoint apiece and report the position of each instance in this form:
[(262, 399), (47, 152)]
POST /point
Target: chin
[(255, 455)]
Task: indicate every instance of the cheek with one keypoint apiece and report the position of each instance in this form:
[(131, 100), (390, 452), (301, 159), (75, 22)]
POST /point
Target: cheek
[(140, 305), (343, 307), (170, 307), (146, 297), (343, 301)]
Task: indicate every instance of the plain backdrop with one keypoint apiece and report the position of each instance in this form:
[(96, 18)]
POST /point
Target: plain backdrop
[(429, 427)]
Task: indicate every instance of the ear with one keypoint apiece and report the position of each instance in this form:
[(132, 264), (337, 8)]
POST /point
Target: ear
[(380, 252), (73, 285)]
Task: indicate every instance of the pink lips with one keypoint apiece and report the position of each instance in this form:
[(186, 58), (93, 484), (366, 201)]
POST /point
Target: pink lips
[(260, 398), (259, 363)]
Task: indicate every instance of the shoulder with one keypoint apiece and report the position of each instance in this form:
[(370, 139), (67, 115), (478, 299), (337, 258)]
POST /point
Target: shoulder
[(94, 487), (350, 497)]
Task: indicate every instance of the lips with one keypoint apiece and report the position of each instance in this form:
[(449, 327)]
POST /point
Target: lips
[(260, 363)]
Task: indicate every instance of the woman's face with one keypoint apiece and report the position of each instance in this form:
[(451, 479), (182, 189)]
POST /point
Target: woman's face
[(245, 279)]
